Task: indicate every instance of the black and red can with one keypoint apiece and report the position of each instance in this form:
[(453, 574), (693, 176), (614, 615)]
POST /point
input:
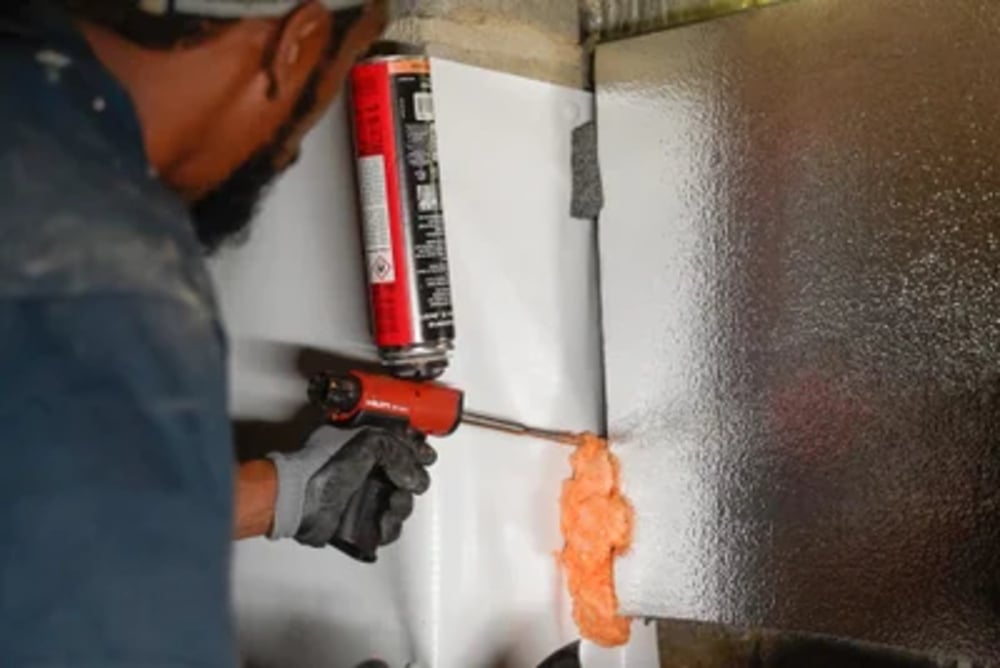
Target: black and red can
[(406, 257)]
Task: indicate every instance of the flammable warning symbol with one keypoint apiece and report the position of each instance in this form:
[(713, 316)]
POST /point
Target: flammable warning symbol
[(380, 267)]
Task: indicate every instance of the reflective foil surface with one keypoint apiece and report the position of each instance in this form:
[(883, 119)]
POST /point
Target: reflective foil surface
[(800, 256)]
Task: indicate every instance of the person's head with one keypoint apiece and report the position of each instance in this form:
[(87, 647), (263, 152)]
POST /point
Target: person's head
[(225, 90)]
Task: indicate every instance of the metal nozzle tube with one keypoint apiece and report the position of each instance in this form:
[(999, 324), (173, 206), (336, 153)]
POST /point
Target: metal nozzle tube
[(509, 426)]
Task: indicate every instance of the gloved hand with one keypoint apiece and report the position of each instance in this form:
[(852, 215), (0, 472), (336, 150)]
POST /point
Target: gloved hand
[(316, 482)]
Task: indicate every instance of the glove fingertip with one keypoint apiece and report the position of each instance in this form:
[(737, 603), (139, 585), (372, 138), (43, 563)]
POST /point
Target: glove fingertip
[(415, 480), (390, 529), (391, 524), (401, 504), (426, 455)]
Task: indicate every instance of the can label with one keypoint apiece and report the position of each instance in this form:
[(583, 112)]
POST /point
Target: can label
[(400, 196), (375, 218)]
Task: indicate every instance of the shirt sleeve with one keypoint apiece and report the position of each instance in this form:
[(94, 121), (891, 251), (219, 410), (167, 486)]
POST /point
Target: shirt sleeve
[(115, 484)]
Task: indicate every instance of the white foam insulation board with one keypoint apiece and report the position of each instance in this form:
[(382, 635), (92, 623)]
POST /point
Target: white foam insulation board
[(474, 580)]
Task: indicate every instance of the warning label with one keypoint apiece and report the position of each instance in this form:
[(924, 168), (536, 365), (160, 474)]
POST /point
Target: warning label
[(380, 269), (375, 216)]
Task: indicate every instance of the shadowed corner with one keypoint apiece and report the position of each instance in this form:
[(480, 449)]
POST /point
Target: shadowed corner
[(687, 644), (254, 438), (307, 640), (565, 657)]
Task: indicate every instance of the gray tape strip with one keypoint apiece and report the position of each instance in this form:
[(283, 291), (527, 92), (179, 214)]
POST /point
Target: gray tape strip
[(588, 195)]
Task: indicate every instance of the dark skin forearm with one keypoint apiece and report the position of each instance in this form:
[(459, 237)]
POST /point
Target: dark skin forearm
[(256, 492)]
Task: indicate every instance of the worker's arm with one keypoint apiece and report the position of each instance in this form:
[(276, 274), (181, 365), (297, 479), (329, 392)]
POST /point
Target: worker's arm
[(256, 492), (116, 489), (303, 494)]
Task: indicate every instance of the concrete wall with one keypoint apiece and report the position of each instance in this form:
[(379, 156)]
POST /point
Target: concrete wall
[(535, 39)]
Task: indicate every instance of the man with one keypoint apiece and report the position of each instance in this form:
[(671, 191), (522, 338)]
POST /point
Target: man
[(136, 134)]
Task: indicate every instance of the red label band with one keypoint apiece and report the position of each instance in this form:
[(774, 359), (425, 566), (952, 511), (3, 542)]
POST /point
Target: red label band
[(386, 256)]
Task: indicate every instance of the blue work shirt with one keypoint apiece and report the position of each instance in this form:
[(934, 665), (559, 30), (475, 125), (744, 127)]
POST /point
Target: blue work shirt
[(117, 461)]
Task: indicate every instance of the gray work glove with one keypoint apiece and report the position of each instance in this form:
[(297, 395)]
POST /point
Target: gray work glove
[(316, 482)]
